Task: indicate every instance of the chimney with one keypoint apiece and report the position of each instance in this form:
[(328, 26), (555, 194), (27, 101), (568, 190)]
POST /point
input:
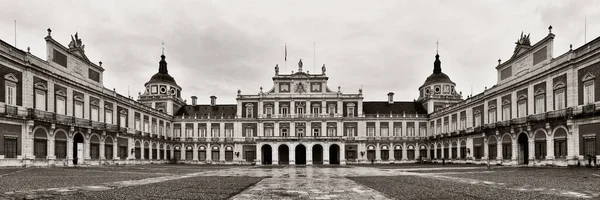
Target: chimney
[(213, 100), (194, 98), (390, 98)]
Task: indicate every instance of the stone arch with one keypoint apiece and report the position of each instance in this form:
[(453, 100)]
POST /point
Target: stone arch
[(317, 153), (492, 139), (94, 146), (563, 127), (108, 139), (40, 132)]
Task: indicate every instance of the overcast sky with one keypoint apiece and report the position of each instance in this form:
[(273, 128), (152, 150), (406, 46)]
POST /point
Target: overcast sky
[(218, 47)]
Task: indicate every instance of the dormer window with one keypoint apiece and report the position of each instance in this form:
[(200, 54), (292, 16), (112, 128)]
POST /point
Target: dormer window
[(249, 110)]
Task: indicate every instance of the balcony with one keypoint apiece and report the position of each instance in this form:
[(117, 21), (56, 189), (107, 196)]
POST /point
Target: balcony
[(537, 117), (11, 110), (519, 121)]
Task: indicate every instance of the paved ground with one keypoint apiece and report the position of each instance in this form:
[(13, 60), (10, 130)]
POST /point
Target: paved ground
[(411, 181)]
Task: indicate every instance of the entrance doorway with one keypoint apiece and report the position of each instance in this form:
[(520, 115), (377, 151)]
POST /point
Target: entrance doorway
[(334, 154), (523, 149), (300, 155), (77, 148), (284, 154), (317, 154), (267, 157)]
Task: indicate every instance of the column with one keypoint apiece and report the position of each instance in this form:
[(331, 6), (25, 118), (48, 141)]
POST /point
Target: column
[(392, 148), (50, 148), (458, 150), (195, 153), (86, 147), (222, 153), (326, 158), (259, 157), (377, 152), (275, 154), (181, 152), (404, 151), (309, 158), (550, 148), (531, 152), (115, 148), (499, 151), (292, 156), (149, 148), (276, 109), (486, 149), (102, 153), (515, 152), (342, 154), (450, 150), (208, 152)]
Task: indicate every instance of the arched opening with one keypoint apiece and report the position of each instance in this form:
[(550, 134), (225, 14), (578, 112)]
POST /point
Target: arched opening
[(334, 154), (108, 148), (168, 156), (154, 152), (202, 153), (560, 143), (228, 153), (422, 152), (540, 145), (267, 154), (410, 152), (438, 151), (300, 155), (454, 150), (138, 150), (523, 149), (215, 154), (371, 153), (446, 150), (507, 148), (40, 143), (463, 149), (123, 148), (284, 154), (177, 153), (385, 153), (431, 152), (492, 148), (77, 148), (146, 151), (94, 147), (398, 152), (317, 154), (189, 152), (60, 145)]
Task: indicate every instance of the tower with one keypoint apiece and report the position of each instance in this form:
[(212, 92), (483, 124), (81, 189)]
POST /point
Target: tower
[(162, 92), (438, 90)]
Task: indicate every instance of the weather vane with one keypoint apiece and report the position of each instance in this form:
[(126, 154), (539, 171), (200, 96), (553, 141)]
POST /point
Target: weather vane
[(163, 47), (437, 44)]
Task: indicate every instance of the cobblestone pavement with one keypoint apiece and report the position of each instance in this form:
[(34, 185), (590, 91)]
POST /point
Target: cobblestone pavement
[(299, 182)]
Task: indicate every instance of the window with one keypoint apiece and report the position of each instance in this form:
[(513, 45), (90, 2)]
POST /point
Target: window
[(589, 146), (300, 110), (249, 132), (316, 132), (397, 131), (78, 111), (588, 92), (384, 131), (506, 151), (560, 148), (331, 109), (95, 151), (463, 123), (522, 108), (108, 116), (108, 151), (11, 93), (422, 131), (229, 132), (492, 115), (316, 110), (540, 150), (40, 99), (228, 154), (177, 132), (300, 132), (146, 126), (269, 110), (268, 131), (39, 148), (284, 111), (10, 147), (492, 151), (410, 131), (331, 131), (505, 112), (370, 131), (94, 113), (189, 133), (453, 125), (477, 119), (60, 149), (123, 119), (138, 124), (202, 132), (559, 99), (249, 110), (60, 105), (540, 102), (350, 131), (350, 111), (284, 132), (215, 132)]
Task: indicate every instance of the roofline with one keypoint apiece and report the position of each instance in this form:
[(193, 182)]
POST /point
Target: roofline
[(56, 43), (537, 44)]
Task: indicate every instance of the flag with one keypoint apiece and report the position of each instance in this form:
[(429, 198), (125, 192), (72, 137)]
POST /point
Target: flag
[(285, 59)]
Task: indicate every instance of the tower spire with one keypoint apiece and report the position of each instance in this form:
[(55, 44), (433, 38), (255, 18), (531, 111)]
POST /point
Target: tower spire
[(163, 47), (437, 46), (437, 65)]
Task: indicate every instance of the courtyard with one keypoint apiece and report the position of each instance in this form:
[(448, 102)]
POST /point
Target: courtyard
[(402, 181)]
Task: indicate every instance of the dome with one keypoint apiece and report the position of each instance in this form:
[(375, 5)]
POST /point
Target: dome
[(163, 74), (438, 76)]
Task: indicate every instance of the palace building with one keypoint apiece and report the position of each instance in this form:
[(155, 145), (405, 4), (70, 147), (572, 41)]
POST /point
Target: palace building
[(544, 110)]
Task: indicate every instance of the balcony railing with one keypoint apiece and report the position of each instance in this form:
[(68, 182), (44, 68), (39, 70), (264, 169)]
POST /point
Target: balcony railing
[(11, 110)]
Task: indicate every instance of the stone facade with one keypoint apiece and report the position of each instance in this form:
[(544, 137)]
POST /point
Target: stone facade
[(543, 111)]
